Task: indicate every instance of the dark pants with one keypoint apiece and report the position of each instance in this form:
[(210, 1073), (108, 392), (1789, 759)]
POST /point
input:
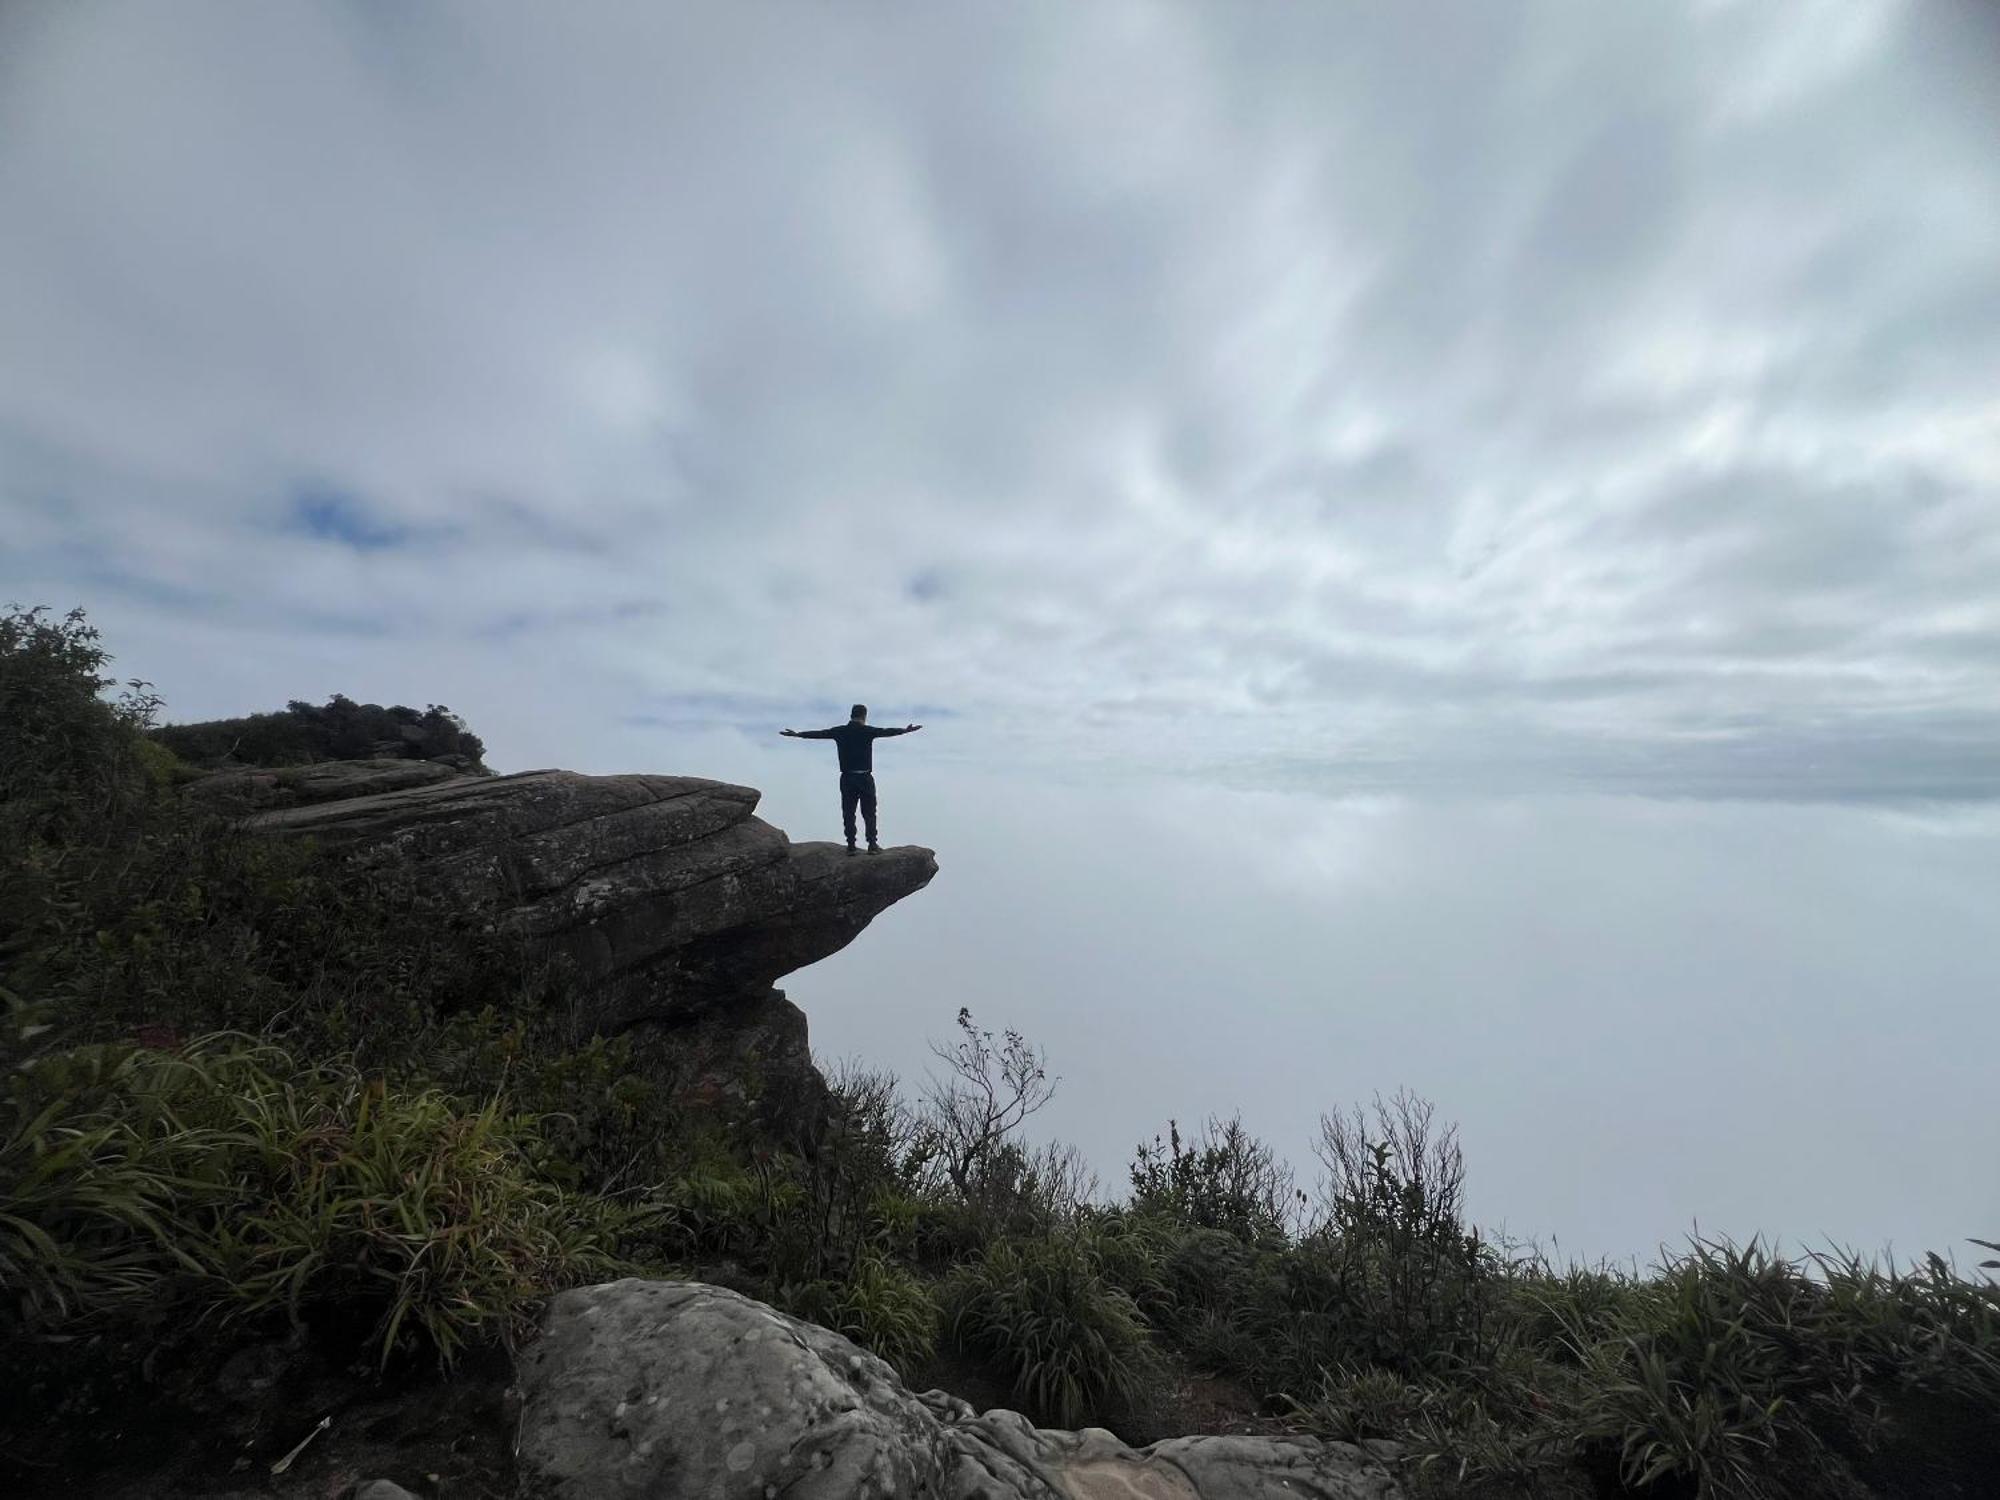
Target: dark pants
[(857, 786)]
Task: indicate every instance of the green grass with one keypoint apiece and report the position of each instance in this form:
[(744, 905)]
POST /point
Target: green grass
[(881, 1306), (226, 1183), (1040, 1313), (1729, 1372)]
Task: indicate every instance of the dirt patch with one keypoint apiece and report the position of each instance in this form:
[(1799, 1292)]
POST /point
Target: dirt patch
[(441, 1438), (1210, 1404)]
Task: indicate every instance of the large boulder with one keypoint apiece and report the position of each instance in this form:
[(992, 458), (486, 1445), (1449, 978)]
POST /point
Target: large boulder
[(644, 1390), (675, 908)]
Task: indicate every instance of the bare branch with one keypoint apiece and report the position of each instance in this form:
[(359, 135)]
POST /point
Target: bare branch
[(989, 1090)]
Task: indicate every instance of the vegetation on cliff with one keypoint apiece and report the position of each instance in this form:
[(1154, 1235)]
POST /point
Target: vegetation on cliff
[(253, 1095), (339, 729), (245, 1093)]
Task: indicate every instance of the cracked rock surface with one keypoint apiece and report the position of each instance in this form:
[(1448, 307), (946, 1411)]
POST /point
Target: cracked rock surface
[(666, 891), (644, 1390), (676, 907)]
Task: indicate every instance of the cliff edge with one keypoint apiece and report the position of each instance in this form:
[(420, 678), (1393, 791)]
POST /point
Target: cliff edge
[(674, 907)]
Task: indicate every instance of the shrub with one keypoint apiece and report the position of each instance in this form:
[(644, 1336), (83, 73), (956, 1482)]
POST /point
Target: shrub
[(1719, 1438), (339, 729), (989, 1089), (1132, 1251), (1734, 1371), (1210, 1271), (1729, 1373), (1391, 1275), (1225, 1179), (945, 1233), (729, 1210), (227, 1182), (881, 1306), (68, 758), (602, 1125), (1492, 1427), (1040, 1313), (1926, 1329), (1565, 1312), (189, 924), (88, 1192), (856, 1180), (402, 1201), (1356, 1405)]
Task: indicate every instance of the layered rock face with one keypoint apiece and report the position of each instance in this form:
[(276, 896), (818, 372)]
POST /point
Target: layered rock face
[(643, 1390), (259, 788), (675, 907)]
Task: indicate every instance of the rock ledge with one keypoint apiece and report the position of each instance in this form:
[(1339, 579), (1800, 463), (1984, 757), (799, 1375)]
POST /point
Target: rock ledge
[(675, 906)]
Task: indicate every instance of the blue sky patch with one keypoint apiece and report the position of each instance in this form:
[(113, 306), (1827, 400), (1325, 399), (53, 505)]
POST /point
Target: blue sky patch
[(332, 515)]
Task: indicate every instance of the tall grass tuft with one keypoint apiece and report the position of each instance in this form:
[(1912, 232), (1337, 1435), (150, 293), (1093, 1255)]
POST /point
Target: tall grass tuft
[(1040, 1313), (232, 1184), (878, 1304)]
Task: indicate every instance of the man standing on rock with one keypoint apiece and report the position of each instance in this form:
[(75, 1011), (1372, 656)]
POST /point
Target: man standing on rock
[(856, 739)]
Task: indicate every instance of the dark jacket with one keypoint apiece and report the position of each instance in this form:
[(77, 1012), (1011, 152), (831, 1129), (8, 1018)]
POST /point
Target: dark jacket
[(856, 742)]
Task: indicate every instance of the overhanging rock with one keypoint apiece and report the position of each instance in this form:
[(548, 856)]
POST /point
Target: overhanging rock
[(676, 907)]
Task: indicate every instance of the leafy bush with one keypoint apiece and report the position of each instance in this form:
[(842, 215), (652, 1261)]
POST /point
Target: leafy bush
[(68, 758), (945, 1233), (1225, 1179), (1212, 1271), (602, 1125), (859, 1178), (721, 1209), (339, 729), (1391, 1275), (195, 1186), (1040, 1313), (185, 923)]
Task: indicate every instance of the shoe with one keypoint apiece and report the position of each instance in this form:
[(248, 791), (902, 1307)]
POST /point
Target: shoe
[(852, 851), (874, 848)]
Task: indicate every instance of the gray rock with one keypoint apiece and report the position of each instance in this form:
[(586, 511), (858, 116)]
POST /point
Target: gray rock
[(676, 908), (749, 1060), (382, 1489), (643, 1390), (259, 788)]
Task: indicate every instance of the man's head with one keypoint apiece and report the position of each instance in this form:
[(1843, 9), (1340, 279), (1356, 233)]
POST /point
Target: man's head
[(857, 713)]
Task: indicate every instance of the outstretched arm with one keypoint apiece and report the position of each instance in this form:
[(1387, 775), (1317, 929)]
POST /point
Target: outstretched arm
[(889, 734), (807, 734)]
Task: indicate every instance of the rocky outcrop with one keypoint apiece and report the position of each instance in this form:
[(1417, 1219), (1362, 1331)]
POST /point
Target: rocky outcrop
[(642, 1390), (260, 788), (673, 906)]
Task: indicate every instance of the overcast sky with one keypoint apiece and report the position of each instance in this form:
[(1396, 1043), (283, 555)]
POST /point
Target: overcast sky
[(1449, 545)]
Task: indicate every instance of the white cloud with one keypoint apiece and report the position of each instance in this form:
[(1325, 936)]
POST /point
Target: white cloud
[(1031, 360), (1641, 1013)]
